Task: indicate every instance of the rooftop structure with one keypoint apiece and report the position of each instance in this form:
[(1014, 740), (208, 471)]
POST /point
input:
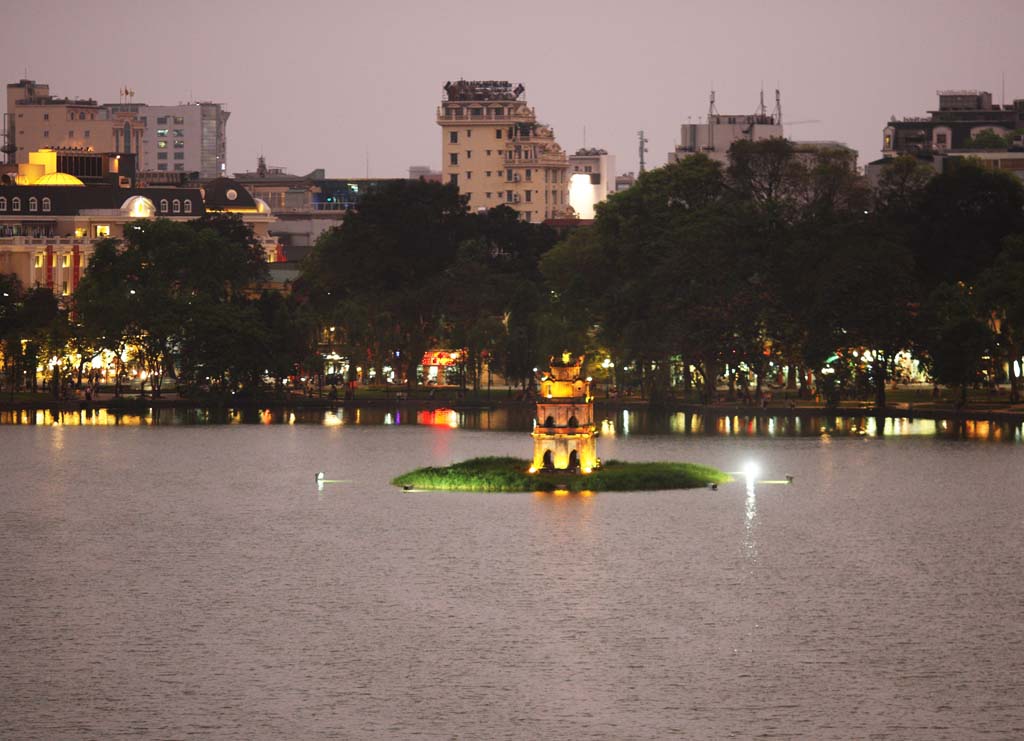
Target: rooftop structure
[(961, 116), (717, 134)]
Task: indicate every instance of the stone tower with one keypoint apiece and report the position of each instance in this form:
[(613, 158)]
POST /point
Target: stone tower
[(563, 434)]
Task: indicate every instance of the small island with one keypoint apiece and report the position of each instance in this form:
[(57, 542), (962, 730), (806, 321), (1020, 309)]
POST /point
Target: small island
[(512, 474), (564, 453)]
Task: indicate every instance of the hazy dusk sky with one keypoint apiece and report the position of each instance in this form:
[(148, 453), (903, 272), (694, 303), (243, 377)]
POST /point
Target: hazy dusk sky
[(335, 84)]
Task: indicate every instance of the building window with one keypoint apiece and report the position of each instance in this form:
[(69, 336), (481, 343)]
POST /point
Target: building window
[(529, 174), (46, 116), (87, 133), (46, 205), (497, 133), (488, 152), (499, 173), (179, 168), (161, 145), (453, 179), (163, 205), (15, 204), (508, 196), (33, 204), (529, 196), (178, 143), (102, 230), (488, 173), (46, 134), (81, 115), (487, 194), (161, 132), (64, 289), (65, 261), (178, 155), (453, 137), (177, 206), (179, 132), (453, 158), (162, 166), (161, 155), (3, 203), (188, 205), (179, 119), (469, 175), (39, 259), (161, 119)]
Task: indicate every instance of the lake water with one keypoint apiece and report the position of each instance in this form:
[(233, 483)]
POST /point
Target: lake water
[(173, 581)]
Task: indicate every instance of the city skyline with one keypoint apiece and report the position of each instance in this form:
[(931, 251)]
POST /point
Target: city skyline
[(355, 89)]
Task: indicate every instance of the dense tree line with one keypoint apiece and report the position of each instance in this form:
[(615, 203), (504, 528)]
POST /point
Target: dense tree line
[(700, 272)]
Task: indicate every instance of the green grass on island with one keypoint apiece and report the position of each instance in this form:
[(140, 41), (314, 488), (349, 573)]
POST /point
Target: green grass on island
[(510, 474)]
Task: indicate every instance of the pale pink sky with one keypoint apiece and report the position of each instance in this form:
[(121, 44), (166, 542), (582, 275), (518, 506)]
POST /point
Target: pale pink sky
[(324, 83)]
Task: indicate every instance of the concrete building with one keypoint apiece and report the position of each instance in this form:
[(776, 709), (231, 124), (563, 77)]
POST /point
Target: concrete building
[(51, 220), (425, 173), (184, 138), (624, 182), (35, 120), (190, 137), (497, 153), (962, 115), (592, 178), (717, 134), (947, 136)]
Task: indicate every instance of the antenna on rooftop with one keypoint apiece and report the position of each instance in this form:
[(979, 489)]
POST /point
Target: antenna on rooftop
[(777, 113), (643, 148)]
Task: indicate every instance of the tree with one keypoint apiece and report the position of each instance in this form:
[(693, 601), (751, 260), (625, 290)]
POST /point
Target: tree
[(963, 217), (388, 260), (1001, 291), (956, 336)]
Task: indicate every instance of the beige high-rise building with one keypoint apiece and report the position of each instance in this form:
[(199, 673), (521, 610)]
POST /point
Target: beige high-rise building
[(497, 153)]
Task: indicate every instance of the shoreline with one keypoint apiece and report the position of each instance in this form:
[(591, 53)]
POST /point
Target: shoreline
[(792, 409)]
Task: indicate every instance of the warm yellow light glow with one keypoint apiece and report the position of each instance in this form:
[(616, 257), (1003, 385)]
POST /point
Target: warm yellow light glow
[(533, 469)]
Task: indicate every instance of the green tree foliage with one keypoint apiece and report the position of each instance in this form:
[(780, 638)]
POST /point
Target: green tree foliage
[(1001, 292), (175, 292), (387, 261), (956, 335), (963, 217)]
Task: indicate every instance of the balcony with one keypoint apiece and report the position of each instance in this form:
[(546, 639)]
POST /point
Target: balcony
[(484, 117)]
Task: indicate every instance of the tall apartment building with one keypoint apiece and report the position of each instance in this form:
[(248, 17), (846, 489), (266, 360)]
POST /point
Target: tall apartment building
[(190, 137), (186, 138), (717, 134), (497, 153)]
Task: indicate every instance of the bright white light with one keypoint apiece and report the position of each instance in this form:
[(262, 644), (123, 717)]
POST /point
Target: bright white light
[(1016, 368), (582, 195), (751, 470)]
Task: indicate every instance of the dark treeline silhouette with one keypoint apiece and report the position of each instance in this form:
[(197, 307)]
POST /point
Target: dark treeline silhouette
[(699, 273)]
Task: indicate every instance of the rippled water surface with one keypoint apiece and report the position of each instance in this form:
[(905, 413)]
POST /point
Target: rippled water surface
[(178, 581)]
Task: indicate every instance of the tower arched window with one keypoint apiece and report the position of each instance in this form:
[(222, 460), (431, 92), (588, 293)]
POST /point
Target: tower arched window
[(47, 205), (33, 204), (188, 205), (3, 203), (573, 422), (15, 204), (163, 205), (177, 206)]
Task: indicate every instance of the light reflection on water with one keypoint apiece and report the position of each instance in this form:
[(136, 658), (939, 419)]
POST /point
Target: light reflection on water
[(626, 423)]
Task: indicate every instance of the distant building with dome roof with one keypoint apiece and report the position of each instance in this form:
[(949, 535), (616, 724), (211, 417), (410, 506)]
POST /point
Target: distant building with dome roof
[(50, 220)]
